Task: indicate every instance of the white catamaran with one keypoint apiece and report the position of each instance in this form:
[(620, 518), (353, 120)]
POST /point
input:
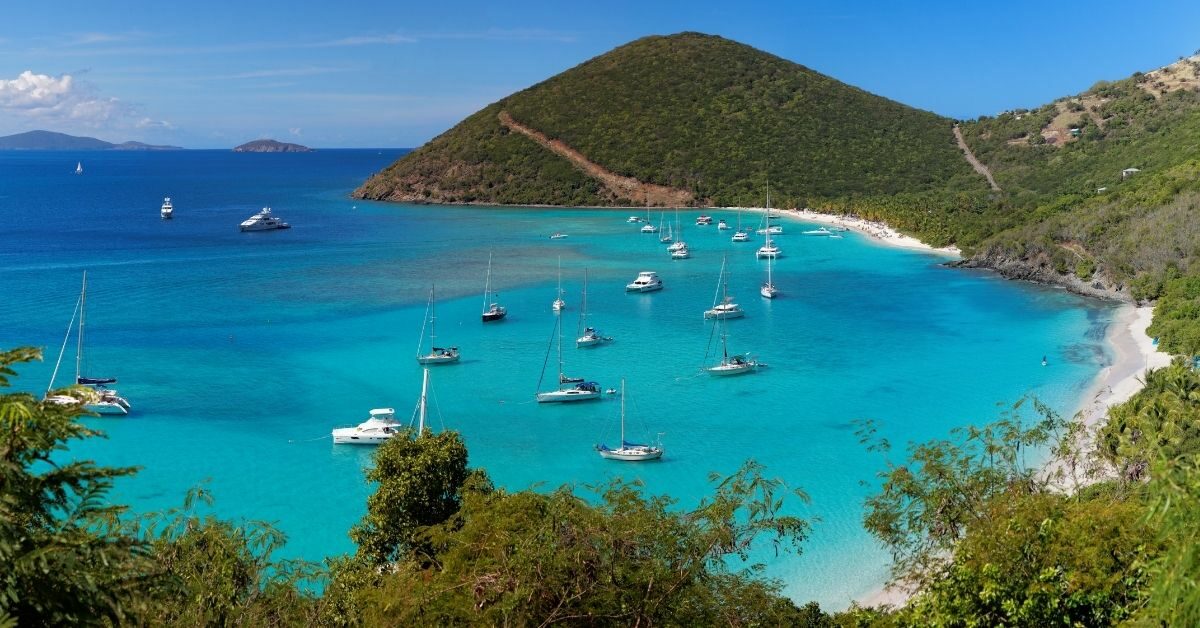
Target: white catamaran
[(725, 308), (104, 400)]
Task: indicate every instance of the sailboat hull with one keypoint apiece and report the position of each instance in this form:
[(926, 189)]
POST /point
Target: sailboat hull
[(567, 396), (108, 408), (437, 359), (725, 370), (632, 454)]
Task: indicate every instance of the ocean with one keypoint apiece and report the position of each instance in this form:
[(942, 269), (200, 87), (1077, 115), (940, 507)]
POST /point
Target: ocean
[(240, 351)]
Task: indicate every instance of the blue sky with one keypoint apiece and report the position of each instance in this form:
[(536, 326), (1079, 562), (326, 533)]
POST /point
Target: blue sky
[(396, 73)]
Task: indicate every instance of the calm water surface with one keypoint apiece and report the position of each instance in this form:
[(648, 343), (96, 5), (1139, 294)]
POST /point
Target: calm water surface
[(239, 351)]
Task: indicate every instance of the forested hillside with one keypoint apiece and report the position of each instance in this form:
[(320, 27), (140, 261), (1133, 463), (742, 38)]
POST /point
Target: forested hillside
[(690, 111)]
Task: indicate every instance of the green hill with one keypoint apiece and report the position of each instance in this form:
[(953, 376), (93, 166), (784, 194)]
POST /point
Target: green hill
[(698, 113)]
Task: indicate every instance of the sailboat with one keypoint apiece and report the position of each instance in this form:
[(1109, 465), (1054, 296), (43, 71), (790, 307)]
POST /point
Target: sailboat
[(79, 167), (768, 249), (436, 355), (106, 400), (492, 311), (741, 235), (667, 235), (726, 308), (559, 304), (381, 424), (590, 337), (679, 244), (629, 452), (768, 288), (731, 364), (569, 388)]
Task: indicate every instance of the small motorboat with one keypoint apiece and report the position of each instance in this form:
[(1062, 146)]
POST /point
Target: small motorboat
[(703, 219), (722, 225), (557, 236), (822, 231), (634, 219)]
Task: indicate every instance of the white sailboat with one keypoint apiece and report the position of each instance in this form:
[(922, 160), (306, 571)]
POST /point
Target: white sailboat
[(590, 336), (679, 244), (768, 289), (737, 364), (104, 400), (381, 424), (627, 451), (492, 311), (569, 388), (649, 226), (768, 249), (725, 308), (79, 167), (437, 355), (741, 235), (559, 304)]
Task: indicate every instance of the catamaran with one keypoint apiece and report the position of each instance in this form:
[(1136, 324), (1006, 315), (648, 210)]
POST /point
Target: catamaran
[(492, 311), (437, 355), (381, 424), (649, 226), (726, 308), (569, 388), (104, 400), (590, 336), (741, 235), (647, 281), (629, 452)]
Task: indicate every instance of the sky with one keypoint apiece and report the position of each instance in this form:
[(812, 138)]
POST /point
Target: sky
[(396, 73)]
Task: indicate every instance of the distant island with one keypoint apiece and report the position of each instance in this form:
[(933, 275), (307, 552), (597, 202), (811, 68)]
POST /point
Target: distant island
[(271, 146), (49, 140)]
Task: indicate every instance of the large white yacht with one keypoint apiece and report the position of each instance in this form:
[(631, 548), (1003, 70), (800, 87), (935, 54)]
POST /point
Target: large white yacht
[(167, 209), (725, 309), (647, 281), (263, 221), (377, 429)]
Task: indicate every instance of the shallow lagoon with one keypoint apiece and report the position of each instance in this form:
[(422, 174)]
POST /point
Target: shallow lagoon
[(240, 351)]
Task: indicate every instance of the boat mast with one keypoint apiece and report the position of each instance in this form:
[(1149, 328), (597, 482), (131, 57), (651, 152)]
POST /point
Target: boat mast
[(560, 292), (432, 317), (560, 369), (79, 344), (622, 412), (421, 403), (768, 211), (583, 307), (487, 283)]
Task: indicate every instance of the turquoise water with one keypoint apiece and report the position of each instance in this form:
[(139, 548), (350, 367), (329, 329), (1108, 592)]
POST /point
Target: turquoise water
[(240, 351)]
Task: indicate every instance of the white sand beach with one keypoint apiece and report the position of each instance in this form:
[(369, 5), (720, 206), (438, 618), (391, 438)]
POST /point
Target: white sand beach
[(1134, 353), (878, 231)]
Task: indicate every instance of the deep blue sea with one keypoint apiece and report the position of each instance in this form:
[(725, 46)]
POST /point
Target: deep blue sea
[(239, 351)]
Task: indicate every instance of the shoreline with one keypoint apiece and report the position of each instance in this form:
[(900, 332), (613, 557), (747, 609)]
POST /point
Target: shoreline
[(1134, 353), (878, 231)]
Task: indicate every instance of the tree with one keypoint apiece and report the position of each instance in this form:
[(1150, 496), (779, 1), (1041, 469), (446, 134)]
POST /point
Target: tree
[(63, 559), (527, 558), (418, 477)]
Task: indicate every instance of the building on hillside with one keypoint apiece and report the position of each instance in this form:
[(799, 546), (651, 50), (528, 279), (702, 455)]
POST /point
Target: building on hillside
[(1129, 172)]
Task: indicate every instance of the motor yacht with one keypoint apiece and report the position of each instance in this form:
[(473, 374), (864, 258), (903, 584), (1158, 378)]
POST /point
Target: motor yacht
[(263, 221), (167, 209), (379, 427), (647, 281)]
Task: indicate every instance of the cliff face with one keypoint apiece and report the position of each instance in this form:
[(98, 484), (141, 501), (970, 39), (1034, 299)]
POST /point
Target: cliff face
[(271, 146), (1039, 268)]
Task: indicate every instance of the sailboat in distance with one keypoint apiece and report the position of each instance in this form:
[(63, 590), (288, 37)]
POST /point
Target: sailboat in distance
[(437, 355), (725, 308), (627, 451), (79, 167), (559, 304), (590, 336), (492, 311)]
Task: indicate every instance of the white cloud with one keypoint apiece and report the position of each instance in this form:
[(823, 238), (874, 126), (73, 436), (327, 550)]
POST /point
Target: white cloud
[(67, 102), (295, 131), (365, 40), (149, 123)]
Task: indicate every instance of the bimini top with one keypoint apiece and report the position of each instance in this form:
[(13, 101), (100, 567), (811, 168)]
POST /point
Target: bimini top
[(381, 413)]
